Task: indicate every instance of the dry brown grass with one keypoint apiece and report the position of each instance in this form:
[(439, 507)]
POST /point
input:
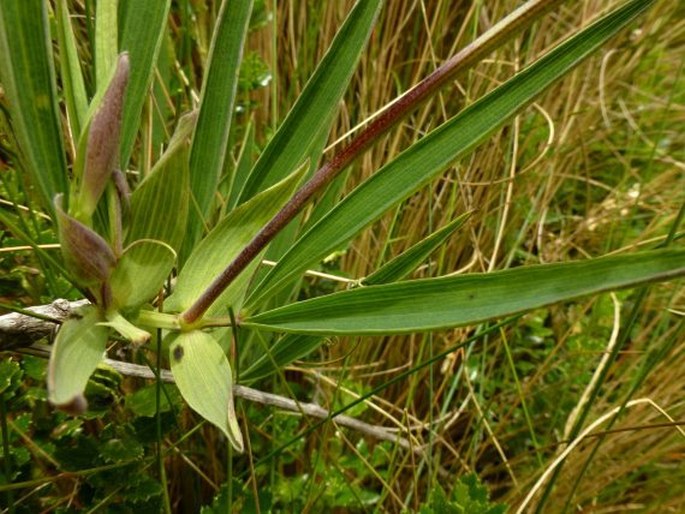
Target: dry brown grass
[(595, 166)]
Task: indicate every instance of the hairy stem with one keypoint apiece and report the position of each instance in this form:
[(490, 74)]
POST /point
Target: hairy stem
[(500, 33)]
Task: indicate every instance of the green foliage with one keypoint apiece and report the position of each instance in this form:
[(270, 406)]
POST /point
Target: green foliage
[(168, 233), (469, 496)]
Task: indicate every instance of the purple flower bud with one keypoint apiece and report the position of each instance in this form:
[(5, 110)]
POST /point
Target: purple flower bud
[(87, 255), (102, 147)]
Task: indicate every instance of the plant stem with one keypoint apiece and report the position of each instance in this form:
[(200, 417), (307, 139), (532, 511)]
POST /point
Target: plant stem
[(501, 32)]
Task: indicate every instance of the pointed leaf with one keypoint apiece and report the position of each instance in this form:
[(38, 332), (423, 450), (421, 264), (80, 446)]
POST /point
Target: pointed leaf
[(73, 85), (420, 163), (310, 119), (216, 104), (221, 246), (405, 263), (106, 40), (203, 375), (291, 347), (143, 26), (438, 303), (125, 328), (78, 349), (159, 205)]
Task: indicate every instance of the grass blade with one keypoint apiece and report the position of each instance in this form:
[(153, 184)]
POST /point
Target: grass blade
[(437, 303), (425, 159)]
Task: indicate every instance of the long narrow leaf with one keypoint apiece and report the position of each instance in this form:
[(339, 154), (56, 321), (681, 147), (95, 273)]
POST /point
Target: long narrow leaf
[(73, 85), (420, 163), (28, 78), (437, 303), (210, 140), (143, 29), (311, 117)]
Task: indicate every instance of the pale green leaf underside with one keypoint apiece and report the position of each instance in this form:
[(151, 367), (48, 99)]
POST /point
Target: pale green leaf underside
[(439, 303), (420, 163), (159, 205), (140, 272), (78, 349), (203, 375), (218, 249)]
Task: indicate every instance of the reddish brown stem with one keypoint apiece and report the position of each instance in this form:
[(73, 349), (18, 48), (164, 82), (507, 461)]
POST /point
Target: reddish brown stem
[(515, 22)]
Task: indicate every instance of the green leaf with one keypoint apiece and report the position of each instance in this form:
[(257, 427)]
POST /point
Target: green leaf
[(287, 349), (159, 205), (420, 163), (28, 79), (220, 82), (143, 402), (438, 303), (73, 85), (311, 117), (106, 40), (221, 246), (78, 349), (203, 375), (140, 272), (291, 347), (403, 264), (143, 28)]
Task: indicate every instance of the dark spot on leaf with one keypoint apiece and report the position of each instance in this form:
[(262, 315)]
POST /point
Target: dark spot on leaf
[(178, 353), (471, 296)]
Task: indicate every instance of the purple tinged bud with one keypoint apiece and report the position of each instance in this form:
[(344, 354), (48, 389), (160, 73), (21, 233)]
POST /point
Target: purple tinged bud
[(102, 150), (86, 254)]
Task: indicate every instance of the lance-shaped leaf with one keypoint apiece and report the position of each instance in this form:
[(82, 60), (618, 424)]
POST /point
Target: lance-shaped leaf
[(101, 153), (28, 80), (421, 162), (310, 119), (159, 205), (438, 303), (141, 34), (405, 263), (87, 255), (203, 375), (78, 349), (291, 347), (140, 272), (221, 246), (219, 86), (73, 85)]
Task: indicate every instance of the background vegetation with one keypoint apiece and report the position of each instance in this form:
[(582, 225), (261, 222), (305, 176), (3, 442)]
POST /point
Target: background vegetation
[(596, 166)]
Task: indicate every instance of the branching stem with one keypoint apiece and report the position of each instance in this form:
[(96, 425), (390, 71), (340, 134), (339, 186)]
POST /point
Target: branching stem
[(501, 32)]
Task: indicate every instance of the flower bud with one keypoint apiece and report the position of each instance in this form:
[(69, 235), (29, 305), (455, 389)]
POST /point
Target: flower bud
[(102, 147), (86, 254)]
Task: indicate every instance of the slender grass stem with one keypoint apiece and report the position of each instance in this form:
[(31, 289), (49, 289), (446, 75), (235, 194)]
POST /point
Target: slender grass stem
[(9, 494)]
